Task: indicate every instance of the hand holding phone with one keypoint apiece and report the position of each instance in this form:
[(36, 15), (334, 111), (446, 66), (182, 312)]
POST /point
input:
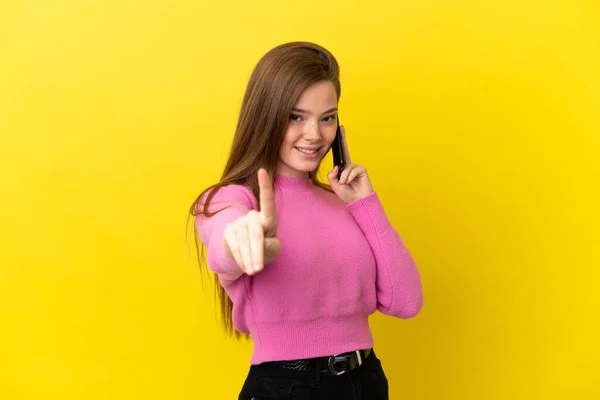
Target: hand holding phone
[(352, 181)]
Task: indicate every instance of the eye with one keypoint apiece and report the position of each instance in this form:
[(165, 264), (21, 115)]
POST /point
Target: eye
[(329, 118), (295, 117)]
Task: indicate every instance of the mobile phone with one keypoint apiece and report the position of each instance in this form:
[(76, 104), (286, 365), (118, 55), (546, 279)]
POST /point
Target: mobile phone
[(338, 151)]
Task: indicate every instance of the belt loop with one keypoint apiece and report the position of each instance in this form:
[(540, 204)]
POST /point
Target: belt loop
[(318, 371)]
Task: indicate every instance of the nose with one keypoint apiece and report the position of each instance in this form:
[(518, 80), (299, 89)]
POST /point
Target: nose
[(313, 131)]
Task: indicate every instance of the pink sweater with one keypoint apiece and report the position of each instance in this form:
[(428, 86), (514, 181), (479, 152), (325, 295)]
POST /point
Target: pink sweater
[(338, 264)]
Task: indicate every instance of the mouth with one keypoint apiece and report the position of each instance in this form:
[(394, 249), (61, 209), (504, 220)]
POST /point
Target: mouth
[(310, 152)]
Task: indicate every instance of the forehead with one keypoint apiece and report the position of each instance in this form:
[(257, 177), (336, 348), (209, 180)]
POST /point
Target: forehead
[(319, 95)]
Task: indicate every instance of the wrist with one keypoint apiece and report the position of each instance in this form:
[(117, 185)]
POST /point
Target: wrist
[(364, 194)]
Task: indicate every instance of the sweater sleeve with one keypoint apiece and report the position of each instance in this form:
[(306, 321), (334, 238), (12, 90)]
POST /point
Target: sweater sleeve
[(399, 290), (235, 201)]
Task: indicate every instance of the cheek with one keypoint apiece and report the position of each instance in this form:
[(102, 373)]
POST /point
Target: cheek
[(291, 137), (329, 135), (288, 142)]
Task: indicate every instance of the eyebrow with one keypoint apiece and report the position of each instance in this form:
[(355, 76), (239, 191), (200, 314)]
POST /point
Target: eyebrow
[(299, 110)]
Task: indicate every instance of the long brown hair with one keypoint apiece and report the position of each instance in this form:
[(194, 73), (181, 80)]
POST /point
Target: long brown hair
[(275, 85)]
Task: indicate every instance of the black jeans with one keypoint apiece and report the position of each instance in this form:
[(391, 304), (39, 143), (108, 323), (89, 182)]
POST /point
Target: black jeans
[(270, 381)]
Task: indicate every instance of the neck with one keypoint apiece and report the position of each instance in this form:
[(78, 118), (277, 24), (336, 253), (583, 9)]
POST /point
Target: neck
[(285, 170)]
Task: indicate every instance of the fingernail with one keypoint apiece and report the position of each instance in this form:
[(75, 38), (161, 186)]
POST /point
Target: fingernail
[(257, 268)]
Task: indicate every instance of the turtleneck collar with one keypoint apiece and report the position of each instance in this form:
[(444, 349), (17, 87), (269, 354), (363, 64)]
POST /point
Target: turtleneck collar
[(289, 182)]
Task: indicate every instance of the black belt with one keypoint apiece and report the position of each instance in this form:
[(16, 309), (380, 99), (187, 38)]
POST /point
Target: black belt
[(337, 364)]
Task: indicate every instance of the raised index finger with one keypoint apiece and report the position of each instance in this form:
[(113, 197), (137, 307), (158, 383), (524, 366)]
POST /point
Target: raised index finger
[(267, 203)]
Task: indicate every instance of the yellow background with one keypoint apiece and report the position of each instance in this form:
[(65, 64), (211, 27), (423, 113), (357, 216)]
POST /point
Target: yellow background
[(479, 122)]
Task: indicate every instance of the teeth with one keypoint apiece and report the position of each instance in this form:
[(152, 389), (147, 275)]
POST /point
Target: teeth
[(306, 151)]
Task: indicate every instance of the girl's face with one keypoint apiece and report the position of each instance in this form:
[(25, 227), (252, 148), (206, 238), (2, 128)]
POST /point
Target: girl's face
[(310, 132)]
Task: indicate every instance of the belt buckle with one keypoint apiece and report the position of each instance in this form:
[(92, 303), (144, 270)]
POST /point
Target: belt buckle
[(337, 357)]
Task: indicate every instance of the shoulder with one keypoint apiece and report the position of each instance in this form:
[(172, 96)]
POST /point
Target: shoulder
[(230, 195)]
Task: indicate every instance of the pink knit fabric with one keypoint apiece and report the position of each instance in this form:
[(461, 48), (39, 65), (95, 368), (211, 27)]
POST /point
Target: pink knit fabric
[(338, 264)]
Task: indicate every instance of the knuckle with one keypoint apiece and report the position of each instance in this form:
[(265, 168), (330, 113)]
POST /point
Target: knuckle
[(233, 246), (230, 236), (256, 235), (239, 224)]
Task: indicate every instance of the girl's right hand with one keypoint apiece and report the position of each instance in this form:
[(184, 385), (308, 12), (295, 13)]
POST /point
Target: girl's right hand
[(251, 240)]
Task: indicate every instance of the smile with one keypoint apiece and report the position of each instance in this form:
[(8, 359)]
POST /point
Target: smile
[(307, 151)]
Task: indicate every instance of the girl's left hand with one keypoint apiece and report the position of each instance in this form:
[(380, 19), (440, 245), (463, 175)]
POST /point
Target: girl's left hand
[(354, 183)]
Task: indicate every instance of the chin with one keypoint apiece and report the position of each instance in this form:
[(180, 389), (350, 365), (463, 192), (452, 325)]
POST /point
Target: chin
[(302, 166), (302, 169), (307, 167)]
